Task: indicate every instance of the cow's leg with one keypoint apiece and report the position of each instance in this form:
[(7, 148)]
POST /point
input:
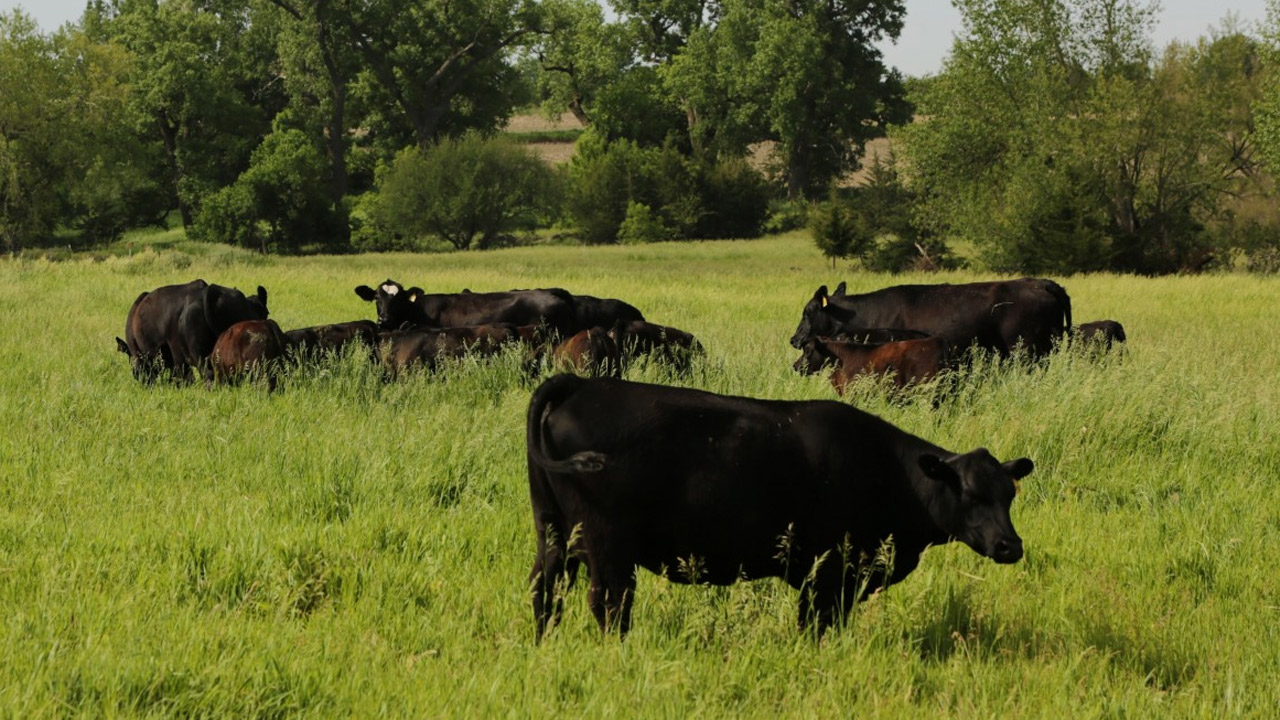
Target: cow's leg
[(544, 579), (612, 590)]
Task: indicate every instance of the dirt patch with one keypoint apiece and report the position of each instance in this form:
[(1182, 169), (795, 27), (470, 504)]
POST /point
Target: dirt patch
[(536, 122)]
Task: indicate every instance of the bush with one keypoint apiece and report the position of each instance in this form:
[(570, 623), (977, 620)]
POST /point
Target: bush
[(641, 226), (687, 198), (471, 191), (281, 200), (838, 230)]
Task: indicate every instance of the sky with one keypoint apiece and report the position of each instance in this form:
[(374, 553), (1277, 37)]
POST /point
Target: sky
[(926, 37)]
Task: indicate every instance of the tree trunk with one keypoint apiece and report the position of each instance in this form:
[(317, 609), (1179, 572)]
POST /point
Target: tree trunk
[(169, 134)]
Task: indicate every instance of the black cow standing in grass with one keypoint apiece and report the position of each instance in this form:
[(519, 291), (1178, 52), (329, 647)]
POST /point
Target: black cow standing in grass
[(706, 488), (175, 327), (996, 316), (398, 307)]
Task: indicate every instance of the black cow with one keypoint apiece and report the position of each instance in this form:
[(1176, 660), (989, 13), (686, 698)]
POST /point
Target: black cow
[(312, 342), (397, 307), (996, 316), (591, 312), (1100, 333), (175, 327), (711, 489), (662, 343)]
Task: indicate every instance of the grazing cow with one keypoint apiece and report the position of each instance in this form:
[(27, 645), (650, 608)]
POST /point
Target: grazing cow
[(996, 316), (250, 347), (175, 327), (593, 312), (1100, 333), (907, 361), (312, 342), (707, 488), (669, 345), (397, 306), (589, 352), (399, 350)]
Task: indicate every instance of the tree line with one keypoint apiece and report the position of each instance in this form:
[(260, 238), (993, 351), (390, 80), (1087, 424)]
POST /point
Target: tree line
[(1056, 138)]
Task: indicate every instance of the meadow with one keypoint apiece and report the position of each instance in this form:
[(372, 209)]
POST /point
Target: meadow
[(351, 548)]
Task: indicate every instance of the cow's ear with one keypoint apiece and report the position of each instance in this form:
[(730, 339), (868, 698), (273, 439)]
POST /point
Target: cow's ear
[(1019, 468), (839, 289), (122, 346), (821, 296), (936, 468), (366, 293), (262, 295), (415, 293)]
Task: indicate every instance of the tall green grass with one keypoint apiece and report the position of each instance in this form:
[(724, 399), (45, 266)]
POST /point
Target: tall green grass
[(352, 547)]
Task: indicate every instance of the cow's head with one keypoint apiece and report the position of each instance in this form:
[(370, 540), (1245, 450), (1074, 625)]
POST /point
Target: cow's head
[(976, 492), (395, 304), (820, 317)]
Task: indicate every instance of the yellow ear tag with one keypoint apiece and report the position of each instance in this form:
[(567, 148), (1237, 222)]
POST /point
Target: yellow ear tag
[(1017, 488), (824, 301), (413, 297)]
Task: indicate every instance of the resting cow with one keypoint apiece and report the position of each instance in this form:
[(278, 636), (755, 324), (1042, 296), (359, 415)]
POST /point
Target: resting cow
[(589, 352), (996, 316), (399, 350), (908, 362), (397, 307), (1100, 333), (312, 342), (174, 327), (250, 347), (707, 488)]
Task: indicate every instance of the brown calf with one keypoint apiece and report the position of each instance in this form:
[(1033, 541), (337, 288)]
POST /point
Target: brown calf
[(250, 347), (589, 352), (908, 361)]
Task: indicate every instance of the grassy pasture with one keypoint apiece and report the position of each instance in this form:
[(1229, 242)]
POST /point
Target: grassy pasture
[(353, 548)]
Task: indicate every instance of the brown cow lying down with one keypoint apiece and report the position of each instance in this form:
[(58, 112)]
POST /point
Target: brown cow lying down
[(399, 350), (1101, 333), (908, 361), (250, 347), (589, 352)]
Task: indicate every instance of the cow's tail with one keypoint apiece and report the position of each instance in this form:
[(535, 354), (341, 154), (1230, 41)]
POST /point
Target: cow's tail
[(551, 393), (1060, 294)]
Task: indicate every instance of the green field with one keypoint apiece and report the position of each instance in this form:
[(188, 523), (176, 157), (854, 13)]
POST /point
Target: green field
[(347, 547)]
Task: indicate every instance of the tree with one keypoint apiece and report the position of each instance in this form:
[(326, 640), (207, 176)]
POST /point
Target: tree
[(201, 87), (1103, 156), (432, 68), (805, 74), (66, 154)]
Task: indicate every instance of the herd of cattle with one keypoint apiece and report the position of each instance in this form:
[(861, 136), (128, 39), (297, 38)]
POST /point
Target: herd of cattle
[(224, 334), (698, 487)]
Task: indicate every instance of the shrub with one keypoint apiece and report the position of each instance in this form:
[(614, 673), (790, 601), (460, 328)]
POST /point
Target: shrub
[(687, 198), (641, 226), (281, 200), (470, 191)]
